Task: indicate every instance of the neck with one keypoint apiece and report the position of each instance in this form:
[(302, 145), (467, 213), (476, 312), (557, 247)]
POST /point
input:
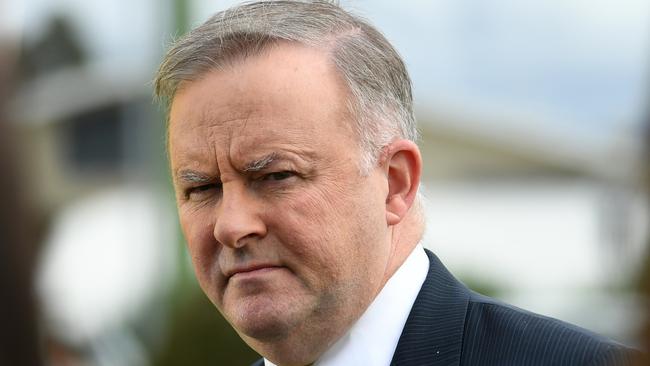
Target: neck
[(405, 236)]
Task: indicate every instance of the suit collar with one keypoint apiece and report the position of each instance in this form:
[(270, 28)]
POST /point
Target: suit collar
[(433, 334)]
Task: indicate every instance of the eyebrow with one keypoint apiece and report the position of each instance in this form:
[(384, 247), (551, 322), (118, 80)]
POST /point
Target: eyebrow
[(261, 163), (192, 176), (195, 177)]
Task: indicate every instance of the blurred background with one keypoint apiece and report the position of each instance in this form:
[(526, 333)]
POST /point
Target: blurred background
[(535, 121)]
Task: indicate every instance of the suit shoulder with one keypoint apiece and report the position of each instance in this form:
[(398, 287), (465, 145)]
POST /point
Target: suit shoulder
[(500, 334), (259, 362)]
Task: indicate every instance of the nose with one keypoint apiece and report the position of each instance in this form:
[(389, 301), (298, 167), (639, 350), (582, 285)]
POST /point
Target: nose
[(238, 218)]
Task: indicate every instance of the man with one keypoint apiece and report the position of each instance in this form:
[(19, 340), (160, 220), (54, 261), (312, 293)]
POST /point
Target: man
[(291, 142)]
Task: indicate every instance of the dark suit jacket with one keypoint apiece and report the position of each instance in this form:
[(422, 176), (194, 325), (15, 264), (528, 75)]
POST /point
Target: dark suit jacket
[(452, 325)]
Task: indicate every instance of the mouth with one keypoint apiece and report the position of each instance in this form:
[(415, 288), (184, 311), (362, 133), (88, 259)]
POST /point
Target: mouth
[(251, 271)]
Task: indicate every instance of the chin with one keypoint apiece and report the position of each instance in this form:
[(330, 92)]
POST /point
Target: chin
[(262, 318)]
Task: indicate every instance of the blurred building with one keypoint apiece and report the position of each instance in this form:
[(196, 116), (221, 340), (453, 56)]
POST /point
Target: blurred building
[(93, 148), (538, 218), (113, 278)]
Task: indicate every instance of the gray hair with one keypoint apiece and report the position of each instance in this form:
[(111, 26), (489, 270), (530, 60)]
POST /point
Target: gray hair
[(381, 99)]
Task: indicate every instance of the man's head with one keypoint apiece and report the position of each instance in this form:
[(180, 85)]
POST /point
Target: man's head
[(294, 188), (379, 87)]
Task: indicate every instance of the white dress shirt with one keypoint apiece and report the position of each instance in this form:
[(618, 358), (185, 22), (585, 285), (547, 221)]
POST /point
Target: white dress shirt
[(373, 338)]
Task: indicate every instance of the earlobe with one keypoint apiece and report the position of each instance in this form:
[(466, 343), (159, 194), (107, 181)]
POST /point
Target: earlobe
[(403, 165), (395, 211)]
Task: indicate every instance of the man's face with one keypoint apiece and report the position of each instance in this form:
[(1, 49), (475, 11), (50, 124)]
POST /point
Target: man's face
[(286, 236)]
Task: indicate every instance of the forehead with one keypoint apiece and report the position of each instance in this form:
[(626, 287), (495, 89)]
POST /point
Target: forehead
[(288, 94)]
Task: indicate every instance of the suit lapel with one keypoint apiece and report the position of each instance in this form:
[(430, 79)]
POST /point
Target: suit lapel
[(433, 333)]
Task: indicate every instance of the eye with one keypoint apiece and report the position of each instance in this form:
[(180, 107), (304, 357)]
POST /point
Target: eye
[(278, 175), (203, 191)]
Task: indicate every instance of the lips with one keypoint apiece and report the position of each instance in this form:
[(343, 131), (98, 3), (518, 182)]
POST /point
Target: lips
[(250, 269)]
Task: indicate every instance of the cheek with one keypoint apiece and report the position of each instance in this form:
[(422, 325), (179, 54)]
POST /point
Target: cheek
[(342, 223), (204, 252), (317, 214), (202, 246), (312, 229), (341, 209)]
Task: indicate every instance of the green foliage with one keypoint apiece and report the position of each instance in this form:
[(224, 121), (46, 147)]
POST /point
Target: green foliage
[(487, 288), (198, 335)]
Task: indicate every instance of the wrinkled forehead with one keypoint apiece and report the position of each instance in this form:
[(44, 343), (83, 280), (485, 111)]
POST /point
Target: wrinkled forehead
[(242, 132), (288, 90)]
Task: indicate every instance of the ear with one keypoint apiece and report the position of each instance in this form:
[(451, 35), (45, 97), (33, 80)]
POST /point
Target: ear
[(402, 165)]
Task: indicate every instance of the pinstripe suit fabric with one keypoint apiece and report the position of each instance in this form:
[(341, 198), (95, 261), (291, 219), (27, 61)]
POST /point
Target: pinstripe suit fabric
[(452, 325)]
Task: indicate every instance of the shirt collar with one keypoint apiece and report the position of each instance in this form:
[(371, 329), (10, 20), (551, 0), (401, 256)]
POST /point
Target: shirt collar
[(373, 338)]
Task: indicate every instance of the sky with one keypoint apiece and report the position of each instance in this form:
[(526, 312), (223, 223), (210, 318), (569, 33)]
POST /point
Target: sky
[(572, 65)]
